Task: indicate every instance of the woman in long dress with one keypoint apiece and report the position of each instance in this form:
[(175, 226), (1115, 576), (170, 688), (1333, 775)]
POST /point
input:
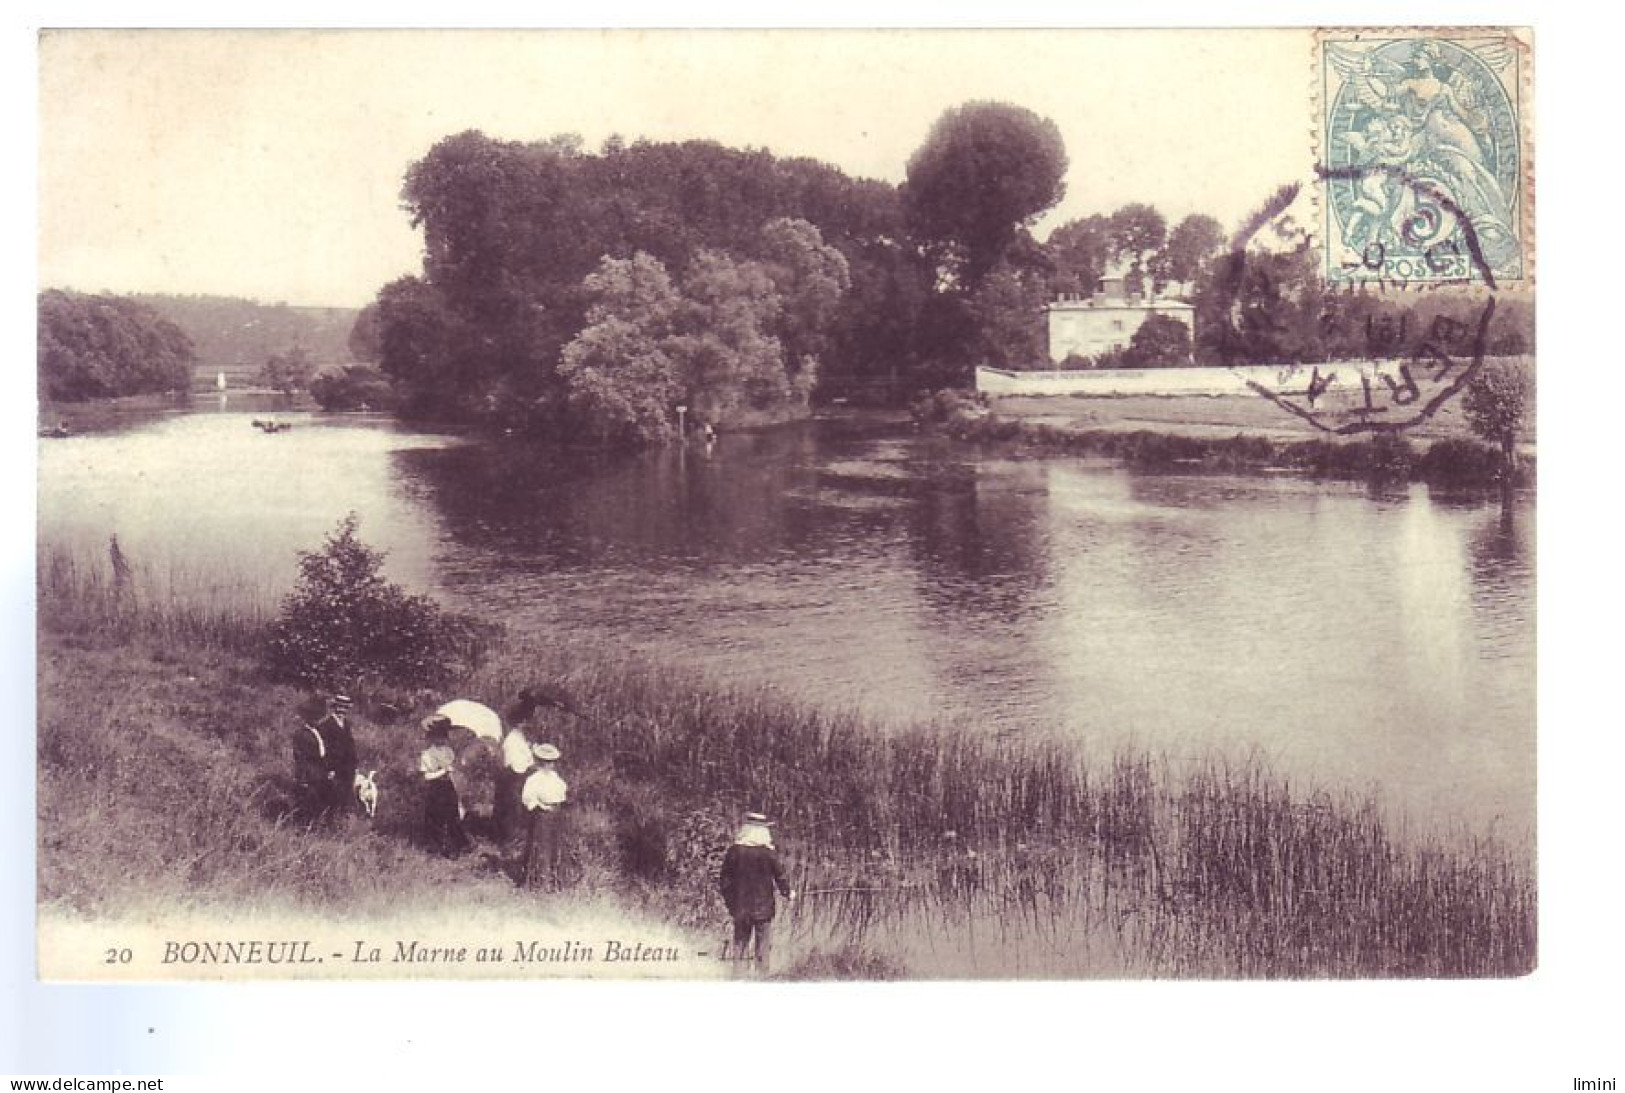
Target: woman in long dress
[(442, 809)]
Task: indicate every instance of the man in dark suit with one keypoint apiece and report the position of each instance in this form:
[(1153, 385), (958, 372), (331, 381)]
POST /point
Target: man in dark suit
[(340, 747), (324, 759), (751, 878)]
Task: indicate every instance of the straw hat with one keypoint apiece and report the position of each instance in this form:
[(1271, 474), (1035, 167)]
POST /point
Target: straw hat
[(341, 701), (758, 818), (545, 752)]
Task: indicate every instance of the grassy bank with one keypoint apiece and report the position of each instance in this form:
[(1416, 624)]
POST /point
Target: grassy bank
[(1449, 463), (163, 750)]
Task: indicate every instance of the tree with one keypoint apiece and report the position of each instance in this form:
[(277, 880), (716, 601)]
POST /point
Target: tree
[(636, 290), (727, 352), (1138, 232), (1080, 251), (875, 335), (810, 277), (1192, 244), (344, 624), (949, 340), (621, 384), (1161, 342), (288, 372), (106, 346), (985, 170), (418, 337), (1008, 307), (366, 340), (512, 232), (352, 387), (1496, 405), (1261, 307)]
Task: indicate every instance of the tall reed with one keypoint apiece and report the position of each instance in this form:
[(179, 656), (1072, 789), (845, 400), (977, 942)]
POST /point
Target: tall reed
[(925, 850)]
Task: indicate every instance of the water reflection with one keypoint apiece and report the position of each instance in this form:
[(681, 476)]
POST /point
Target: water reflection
[(1365, 641)]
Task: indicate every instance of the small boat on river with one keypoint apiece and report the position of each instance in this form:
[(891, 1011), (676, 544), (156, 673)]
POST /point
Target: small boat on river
[(272, 425)]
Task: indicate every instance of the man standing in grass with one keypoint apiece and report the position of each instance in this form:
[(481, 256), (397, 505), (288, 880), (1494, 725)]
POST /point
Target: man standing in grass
[(324, 760), (341, 758), (750, 873)]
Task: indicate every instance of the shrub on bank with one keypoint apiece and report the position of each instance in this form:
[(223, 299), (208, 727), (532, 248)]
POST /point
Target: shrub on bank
[(1460, 463), (950, 406), (353, 387), (344, 624)]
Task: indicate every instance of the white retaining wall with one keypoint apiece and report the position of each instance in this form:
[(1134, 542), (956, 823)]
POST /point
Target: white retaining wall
[(1285, 379)]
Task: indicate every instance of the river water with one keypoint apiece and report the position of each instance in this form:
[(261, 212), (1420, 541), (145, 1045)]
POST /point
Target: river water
[(1374, 643)]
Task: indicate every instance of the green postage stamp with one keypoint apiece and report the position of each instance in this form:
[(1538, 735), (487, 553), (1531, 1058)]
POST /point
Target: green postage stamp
[(1425, 148)]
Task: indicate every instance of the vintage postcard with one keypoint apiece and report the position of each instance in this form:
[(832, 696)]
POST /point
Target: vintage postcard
[(786, 505)]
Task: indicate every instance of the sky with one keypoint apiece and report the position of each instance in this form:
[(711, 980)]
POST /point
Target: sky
[(268, 164)]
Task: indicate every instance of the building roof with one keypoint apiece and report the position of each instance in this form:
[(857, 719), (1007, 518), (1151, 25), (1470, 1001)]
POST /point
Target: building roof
[(1118, 305)]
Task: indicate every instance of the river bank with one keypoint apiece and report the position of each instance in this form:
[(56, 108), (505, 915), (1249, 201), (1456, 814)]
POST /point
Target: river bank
[(1227, 434), (163, 751), (1211, 416)]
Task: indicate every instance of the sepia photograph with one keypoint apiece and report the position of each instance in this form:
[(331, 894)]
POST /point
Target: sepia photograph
[(786, 505)]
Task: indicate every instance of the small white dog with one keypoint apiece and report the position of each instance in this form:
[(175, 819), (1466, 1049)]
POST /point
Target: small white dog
[(366, 791)]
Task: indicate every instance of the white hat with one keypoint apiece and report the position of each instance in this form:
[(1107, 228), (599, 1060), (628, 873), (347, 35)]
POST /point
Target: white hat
[(545, 752), (758, 818)]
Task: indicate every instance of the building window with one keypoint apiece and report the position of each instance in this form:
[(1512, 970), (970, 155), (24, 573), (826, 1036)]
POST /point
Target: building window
[(1117, 324)]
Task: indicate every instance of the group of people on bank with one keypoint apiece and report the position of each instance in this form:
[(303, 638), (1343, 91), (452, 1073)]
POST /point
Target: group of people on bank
[(528, 795), (528, 799)]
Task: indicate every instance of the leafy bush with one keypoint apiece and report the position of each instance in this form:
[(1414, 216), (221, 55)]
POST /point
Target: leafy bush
[(1456, 462), (1117, 357), (344, 625), (1392, 458), (1498, 402), (949, 406), (353, 387), (288, 372), (1161, 342)]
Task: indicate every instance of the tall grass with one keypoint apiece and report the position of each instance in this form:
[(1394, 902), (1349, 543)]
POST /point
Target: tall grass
[(114, 597), (924, 851), (1225, 869)]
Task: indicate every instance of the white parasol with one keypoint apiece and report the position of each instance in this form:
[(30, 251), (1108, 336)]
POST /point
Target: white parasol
[(477, 718)]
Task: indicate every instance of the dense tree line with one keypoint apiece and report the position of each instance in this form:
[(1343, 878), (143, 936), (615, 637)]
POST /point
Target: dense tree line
[(522, 243), (104, 346), (558, 284), (1272, 306), (587, 294)]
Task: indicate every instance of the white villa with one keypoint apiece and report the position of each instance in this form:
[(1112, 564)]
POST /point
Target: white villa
[(1089, 326)]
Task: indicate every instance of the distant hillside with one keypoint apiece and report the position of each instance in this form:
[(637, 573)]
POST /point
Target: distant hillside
[(236, 336)]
